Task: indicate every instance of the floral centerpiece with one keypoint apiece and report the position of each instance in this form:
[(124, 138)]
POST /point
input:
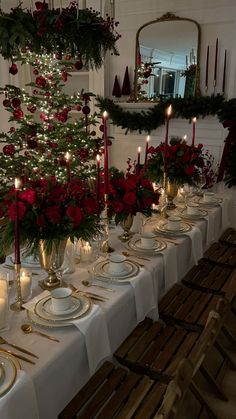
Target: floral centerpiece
[(130, 193), (184, 162), (48, 210)]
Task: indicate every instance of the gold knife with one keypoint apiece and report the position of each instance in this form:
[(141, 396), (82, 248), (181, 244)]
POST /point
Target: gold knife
[(17, 355), (19, 348)]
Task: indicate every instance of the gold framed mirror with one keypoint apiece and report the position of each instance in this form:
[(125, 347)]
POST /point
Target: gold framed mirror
[(167, 59)]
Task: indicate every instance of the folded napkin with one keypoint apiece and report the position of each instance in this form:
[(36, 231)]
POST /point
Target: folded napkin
[(211, 228), (224, 213), (170, 266), (20, 401), (95, 332), (196, 239)]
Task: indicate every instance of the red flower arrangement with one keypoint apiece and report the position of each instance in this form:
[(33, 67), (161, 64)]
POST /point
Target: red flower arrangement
[(184, 162), (130, 193), (49, 210)]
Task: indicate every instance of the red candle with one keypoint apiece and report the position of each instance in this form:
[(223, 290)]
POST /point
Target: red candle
[(146, 149), (17, 227), (207, 67), (106, 176), (216, 62), (193, 130), (139, 153), (98, 180), (168, 115), (224, 72), (67, 157)]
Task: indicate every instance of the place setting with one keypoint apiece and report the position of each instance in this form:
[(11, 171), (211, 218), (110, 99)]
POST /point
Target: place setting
[(209, 199), (174, 226), (9, 366), (146, 243), (192, 212), (116, 268)]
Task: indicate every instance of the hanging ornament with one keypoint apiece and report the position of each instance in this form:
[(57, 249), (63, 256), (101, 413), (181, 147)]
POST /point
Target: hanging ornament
[(32, 144), (18, 114), (16, 102), (116, 91), (13, 69), (9, 150), (126, 90), (78, 64), (86, 110), (6, 103)]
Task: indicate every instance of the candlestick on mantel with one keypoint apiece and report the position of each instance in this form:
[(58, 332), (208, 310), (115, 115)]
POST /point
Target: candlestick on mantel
[(168, 115), (193, 130), (98, 181), (207, 69), (146, 150), (216, 63), (17, 226), (67, 157), (224, 72), (106, 176)]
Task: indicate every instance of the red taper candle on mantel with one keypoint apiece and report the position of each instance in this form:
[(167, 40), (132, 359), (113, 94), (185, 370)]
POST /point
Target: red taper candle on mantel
[(168, 115), (224, 72), (216, 63), (98, 180), (146, 150), (17, 220), (139, 154), (194, 120), (106, 175), (207, 69)]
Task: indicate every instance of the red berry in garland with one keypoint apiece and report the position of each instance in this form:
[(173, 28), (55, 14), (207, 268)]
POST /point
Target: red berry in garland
[(78, 107), (86, 110), (8, 150), (13, 69), (16, 102)]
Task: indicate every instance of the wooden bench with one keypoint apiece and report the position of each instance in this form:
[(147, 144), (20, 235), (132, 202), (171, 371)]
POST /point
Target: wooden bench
[(221, 254), (229, 237)]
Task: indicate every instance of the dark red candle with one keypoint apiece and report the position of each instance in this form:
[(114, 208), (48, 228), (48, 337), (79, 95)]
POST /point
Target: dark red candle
[(224, 72), (17, 226), (146, 150), (67, 157), (216, 62), (139, 153), (168, 115), (98, 180), (193, 130), (207, 68), (106, 176)]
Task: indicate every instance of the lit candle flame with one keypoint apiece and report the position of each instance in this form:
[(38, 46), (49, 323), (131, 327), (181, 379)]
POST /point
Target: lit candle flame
[(148, 139), (169, 110), (194, 120), (98, 158), (17, 183), (139, 149), (185, 137), (105, 114), (67, 156)]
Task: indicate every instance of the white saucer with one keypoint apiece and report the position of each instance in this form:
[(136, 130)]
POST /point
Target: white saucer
[(164, 228), (127, 269), (133, 244), (83, 306), (48, 308), (139, 246)]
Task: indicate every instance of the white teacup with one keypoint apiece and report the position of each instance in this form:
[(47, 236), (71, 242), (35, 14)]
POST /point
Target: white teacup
[(147, 240), (193, 209), (116, 263), (174, 223), (61, 299), (208, 196)]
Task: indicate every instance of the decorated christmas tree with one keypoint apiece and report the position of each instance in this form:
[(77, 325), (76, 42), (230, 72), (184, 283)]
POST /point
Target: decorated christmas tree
[(43, 139)]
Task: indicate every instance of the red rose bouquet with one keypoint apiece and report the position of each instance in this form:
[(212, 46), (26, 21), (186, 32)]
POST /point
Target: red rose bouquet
[(184, 162), (130, 193), (49, 210)]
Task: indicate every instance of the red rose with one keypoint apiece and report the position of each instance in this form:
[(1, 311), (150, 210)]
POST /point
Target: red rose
[(117, 206), (190, 170), (185, 157), (53, 213), (75, 214), (129, 198), (40, 221), (12, 210), (28, 196), (41, 6), (90, 206)]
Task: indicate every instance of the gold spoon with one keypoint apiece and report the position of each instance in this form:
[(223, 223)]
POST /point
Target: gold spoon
[(27, 328), (91, 284)]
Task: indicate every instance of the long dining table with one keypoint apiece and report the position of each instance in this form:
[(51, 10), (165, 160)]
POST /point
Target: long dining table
[(43, 389)]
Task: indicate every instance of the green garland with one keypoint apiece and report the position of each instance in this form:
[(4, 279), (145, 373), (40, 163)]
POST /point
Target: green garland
[(82, 33), (186, 108)]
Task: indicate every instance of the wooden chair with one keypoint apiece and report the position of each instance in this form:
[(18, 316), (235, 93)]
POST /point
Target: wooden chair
[(221, 254), (229, 237)]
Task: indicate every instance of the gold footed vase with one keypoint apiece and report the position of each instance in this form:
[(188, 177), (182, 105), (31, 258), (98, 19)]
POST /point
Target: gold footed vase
[(126, 224), (171, 193), (51, 257)]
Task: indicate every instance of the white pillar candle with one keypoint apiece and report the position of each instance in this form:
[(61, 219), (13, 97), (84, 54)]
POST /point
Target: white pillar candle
[(85, 252), (3, 287), (3, 312), (26, 284)]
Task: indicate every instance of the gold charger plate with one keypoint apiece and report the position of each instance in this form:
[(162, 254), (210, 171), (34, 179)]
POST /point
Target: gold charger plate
[(9, 367), (164, 228)]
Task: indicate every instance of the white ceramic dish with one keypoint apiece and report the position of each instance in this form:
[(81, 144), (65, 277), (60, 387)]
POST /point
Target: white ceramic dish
[(49, 309), (101, 273), (164, 228), (202, 213), (135, 245)]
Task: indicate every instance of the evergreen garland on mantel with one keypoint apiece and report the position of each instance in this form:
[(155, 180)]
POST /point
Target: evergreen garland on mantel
[(152, 118)]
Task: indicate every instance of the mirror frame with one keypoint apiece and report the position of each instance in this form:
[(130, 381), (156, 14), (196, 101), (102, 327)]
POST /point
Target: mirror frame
[(167, 17)]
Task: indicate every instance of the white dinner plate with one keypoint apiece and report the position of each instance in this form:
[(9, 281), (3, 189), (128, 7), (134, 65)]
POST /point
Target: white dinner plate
[(201, 214), (82, 308), (49, 309), (100, 271), (164, 228), (134, 244), (9, 368)]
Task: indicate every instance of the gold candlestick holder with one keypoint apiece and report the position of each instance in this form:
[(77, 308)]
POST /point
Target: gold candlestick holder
[(164, 208), (105, 247), (17, 305)]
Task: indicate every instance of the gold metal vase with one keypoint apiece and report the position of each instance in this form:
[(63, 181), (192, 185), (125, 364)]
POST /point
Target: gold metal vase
[(51, 257), (126, 224), (171, 192)]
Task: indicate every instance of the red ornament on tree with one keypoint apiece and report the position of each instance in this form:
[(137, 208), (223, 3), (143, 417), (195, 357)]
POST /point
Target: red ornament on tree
[(40, 81), (9, 150), (32, 144), (78, 64), (13, 69), (78, 107), (18, 114), (16, 102), (6, 103), (86, 110)]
